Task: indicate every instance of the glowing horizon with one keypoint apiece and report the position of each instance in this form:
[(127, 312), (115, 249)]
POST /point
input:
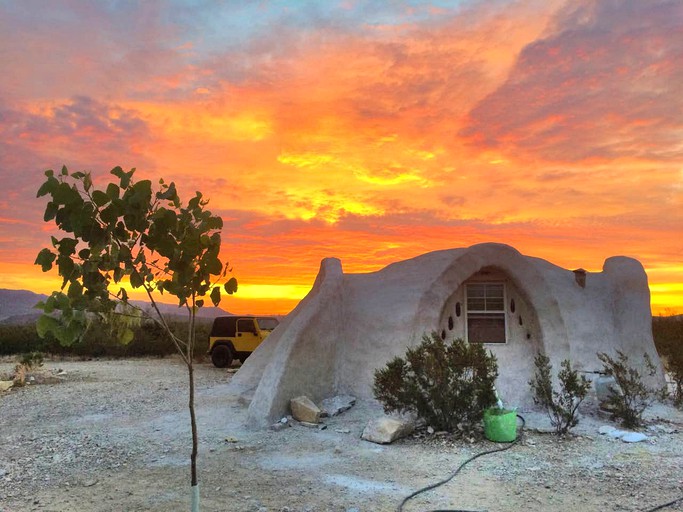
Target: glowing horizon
[(364, 130)]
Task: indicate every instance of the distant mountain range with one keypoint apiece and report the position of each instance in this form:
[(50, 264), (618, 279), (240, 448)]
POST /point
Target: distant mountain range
[(17, 307)]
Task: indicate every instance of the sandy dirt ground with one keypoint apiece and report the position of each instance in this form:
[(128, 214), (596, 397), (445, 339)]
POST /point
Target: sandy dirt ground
[(114, 436)]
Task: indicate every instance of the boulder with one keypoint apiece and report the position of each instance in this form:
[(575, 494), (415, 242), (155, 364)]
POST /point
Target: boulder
[(385, 430), (337, 405), (303, 409), (6, 384)]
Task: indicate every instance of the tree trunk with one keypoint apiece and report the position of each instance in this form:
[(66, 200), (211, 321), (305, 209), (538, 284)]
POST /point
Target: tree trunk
[(195, 442)]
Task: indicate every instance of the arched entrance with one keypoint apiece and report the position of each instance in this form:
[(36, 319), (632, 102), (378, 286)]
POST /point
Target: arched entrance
[(489, 308)]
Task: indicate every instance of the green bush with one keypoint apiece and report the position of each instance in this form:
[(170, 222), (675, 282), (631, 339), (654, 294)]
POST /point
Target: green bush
[(149, 340), (562, 406), (631, 397), (448, 385), (668, 335), (31, 360), (21, 339)]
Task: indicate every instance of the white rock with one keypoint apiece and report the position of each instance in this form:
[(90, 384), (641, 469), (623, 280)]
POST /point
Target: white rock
[(6, 384), (606, 429), (303, 409), (386, 430), (279, 426), (430, 430), (616, 434), (633, 437), (337, 405)]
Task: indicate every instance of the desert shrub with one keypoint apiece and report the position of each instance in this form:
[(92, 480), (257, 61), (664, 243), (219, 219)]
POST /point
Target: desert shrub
[(674, 367), (668, 335), (562, 406), (631, 397), (32, 360), (23, 338), (149, 340), (448, 385)]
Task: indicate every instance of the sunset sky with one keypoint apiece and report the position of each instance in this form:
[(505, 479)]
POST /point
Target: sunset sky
[(372, 131)]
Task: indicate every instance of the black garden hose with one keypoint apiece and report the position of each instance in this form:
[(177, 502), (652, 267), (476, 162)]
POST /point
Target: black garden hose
[(474, 457), (488, 452)]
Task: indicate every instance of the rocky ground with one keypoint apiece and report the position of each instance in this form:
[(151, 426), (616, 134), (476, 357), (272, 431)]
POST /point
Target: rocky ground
[(114, 436)]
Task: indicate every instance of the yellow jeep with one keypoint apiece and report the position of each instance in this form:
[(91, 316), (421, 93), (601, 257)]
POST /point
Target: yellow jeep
[(237, 336)]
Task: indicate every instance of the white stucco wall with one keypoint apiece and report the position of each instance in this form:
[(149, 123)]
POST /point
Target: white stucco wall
[(351, 324)]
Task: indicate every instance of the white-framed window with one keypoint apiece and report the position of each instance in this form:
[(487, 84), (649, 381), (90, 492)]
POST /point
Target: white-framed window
[(486, 312)]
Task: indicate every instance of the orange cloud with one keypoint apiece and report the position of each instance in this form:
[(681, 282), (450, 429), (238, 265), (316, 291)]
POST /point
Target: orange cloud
[(551, 127)]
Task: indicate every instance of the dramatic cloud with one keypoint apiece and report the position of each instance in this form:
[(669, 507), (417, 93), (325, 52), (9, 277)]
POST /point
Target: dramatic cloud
[(604, 83), (370, 131)]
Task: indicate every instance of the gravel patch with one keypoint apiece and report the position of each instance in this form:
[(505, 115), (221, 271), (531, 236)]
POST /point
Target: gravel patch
[(114, 436)]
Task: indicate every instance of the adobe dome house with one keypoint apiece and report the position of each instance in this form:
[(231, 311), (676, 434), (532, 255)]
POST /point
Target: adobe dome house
[(351, 324)]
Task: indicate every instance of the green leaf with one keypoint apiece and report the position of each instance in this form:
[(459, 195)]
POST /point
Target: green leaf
[(194, 202), (49, 186), (230, 286), (214, 266), (113, 191), (45, 259), (75, 290), (64, 194), (118, 172), (87, 182), (123, 176), (100, 198), (46, 324), (169, 194), (68, 334), (214, 223), (200, 303), (65, 171), (67, 245), (124, 253), (136, 280), (216, 296), (49, 305), (127, 335), (49, 173), (66, 266), (118, 274), (50, 211)]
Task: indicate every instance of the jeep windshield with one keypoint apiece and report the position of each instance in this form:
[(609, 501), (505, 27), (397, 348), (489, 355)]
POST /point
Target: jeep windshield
[(267, 323)]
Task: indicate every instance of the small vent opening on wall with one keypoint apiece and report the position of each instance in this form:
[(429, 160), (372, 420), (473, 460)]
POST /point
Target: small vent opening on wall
[(450, 323), (458, 309)]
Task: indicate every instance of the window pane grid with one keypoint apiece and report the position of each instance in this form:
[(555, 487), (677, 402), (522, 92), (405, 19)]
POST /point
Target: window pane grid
[(485, 297), (486, 313)]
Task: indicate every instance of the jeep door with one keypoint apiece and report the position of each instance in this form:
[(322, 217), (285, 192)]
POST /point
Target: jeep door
[(248, 337)]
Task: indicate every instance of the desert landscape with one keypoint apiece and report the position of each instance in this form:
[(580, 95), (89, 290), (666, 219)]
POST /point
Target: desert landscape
[(113, 435)]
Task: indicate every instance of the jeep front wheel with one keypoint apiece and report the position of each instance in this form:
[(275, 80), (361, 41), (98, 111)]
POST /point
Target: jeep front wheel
[(221, 356)]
